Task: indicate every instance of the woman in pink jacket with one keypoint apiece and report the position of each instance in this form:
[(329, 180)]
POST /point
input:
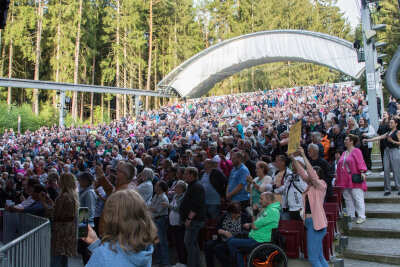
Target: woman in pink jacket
[(313, 209), (352, 162)]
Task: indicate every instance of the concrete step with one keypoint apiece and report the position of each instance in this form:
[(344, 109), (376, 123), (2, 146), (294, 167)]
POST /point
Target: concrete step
[(375, 157), (359, 263), (381, 250), (378, 186), (377, 162), (383, 210), (378, 197), (376, 228), (376, 177), (375, 168)]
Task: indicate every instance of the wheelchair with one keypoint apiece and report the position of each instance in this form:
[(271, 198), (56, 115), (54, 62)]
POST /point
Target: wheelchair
[(266, 255)]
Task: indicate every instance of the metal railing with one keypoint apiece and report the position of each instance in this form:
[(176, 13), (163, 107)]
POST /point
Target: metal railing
[(25, 240)]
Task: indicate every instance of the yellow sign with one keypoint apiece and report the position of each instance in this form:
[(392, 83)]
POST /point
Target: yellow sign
[(294, 137)]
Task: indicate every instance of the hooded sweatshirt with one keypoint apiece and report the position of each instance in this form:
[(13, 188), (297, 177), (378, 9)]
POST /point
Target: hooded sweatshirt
[(103, 256), (268, 220)]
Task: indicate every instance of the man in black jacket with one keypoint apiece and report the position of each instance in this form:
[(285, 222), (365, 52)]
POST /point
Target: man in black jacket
[(214, 183), (281, 127), (193, 213), (251, 165), (338, 138)]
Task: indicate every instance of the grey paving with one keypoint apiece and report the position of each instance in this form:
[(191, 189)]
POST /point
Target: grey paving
[(382, 207), (378, 183), (75, 261), (380, 246), (379, 194), (379, 224), (377, 175), (373, 249), (358, 263)]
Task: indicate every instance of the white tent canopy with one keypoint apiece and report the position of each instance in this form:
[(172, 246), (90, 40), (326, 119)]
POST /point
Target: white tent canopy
[(197, 75)]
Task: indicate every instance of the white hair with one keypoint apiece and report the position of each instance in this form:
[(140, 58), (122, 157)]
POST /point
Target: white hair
[(148, 174), (313, 147), (138, 161)]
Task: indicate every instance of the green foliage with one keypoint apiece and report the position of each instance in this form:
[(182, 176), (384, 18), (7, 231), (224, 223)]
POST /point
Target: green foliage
[(9, 117), (97, 118), (69, 121), (181, 28)]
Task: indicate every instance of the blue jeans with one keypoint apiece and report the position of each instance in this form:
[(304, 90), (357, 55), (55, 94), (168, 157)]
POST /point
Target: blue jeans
[(212, 211), (161, 249), (235, 244), (191, 244), (219, 249), (314, 245), (59, 261)]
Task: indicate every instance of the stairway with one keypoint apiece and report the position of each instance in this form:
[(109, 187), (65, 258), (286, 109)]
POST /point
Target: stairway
[(377, 241)]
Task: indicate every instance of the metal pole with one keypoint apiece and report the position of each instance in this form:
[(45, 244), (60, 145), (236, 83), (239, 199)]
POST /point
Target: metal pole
[(136, 105), (19, 123), (373, 83), (62, 107)]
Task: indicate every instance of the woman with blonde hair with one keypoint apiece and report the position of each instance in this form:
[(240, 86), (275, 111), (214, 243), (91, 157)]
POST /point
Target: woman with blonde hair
[(255, 186), (63, 213), (129, 233), (352, 126)]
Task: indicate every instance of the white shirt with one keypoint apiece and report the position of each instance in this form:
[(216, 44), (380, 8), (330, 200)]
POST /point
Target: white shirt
[(26, 203), (173, 215)]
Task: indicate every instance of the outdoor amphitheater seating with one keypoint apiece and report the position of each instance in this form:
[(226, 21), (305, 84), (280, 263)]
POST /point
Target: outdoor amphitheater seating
[(294, 234)]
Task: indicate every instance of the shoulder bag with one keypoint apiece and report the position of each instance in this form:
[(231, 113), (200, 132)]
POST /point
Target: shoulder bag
[(355, 178)]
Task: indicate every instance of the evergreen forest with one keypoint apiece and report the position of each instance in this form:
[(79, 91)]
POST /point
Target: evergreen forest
[(135, 43)]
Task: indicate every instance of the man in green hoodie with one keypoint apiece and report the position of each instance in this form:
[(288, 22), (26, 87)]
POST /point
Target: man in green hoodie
[(261, 229)]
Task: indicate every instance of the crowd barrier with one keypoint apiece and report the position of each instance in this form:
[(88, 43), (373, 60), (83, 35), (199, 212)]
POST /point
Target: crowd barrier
[(25, 240)]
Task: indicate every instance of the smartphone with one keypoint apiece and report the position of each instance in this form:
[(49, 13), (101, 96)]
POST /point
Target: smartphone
[(83, 221)]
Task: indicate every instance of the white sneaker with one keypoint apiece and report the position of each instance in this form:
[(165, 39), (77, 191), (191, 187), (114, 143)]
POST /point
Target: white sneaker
[(368, 173), (361, 220)]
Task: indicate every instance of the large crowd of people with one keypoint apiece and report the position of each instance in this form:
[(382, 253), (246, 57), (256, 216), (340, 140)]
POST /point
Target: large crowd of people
[(156, 178)]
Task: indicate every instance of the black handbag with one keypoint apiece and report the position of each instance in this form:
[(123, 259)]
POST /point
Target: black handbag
[(242, 235), (355, 178)]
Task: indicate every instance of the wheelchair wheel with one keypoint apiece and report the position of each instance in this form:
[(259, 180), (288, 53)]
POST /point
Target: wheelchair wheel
[(267, 255)]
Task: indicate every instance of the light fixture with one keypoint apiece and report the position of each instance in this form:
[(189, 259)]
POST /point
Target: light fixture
[(369, 34), (378, 27)]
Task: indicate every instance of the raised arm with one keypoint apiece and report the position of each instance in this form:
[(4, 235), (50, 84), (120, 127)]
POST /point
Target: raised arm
[(300, 170), (312, 174), (383, 136), (103, 181)]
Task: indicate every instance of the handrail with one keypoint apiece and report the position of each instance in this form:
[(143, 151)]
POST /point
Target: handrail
[(26, 240), (24, 236)]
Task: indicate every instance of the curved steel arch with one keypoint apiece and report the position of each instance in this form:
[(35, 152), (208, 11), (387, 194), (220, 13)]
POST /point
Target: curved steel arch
[(197, 75)]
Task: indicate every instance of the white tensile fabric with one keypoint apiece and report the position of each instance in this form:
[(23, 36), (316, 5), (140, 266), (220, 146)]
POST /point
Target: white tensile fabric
[(199, 74)]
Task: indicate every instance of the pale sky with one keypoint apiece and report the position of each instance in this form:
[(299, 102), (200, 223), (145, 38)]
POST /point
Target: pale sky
[(351, 11)]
